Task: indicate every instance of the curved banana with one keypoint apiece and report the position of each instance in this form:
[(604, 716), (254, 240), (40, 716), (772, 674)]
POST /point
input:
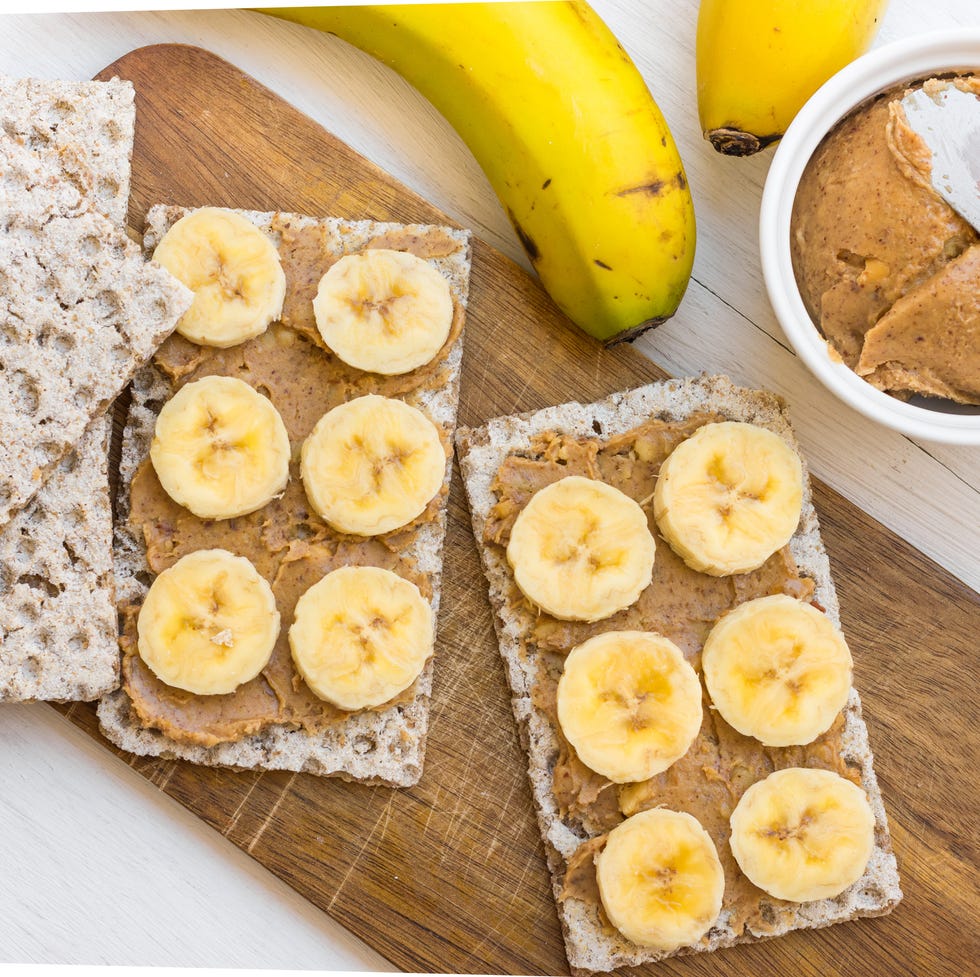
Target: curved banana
[(758, 61), (568, 135)]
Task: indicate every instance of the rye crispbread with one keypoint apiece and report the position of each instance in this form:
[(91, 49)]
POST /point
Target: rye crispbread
[(386, 746), (590, 945), (65, 147), (65, 151), (80, 310), (57, 617)]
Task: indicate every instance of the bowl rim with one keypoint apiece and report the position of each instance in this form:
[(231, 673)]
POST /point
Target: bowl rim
[(879, 69)]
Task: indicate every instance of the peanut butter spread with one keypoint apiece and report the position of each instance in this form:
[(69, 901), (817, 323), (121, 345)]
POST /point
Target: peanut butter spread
[(285, 540), (681, 604), (888, 271)]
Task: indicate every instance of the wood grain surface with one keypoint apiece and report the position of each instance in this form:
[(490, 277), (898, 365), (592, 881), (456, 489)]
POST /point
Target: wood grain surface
[(449, 876)]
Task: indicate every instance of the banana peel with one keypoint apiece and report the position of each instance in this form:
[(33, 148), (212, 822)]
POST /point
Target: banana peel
[(758, 61), (568, 135)]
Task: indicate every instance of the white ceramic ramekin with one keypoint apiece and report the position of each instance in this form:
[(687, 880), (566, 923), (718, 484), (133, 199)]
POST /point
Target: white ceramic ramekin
[(874, 72)]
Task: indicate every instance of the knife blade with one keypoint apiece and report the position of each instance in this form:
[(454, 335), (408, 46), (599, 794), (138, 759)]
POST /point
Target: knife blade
[(948, 120)]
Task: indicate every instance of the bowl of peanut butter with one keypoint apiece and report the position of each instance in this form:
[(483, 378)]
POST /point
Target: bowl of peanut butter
[(873, 276)]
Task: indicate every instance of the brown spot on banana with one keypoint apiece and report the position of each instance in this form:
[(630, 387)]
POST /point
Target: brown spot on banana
[(602, 264), (656, 187), (526, 240)]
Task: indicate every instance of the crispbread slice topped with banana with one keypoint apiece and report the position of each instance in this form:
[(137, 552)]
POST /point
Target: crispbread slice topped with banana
[(284, 483), (698, 760)]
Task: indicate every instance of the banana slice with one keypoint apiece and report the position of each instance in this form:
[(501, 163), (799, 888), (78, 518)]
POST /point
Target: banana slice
[(660, 879), (208, 623), (630, 704), (372, 465), (384, 311), (729, 497), (234, 271), (360, 636), (220, 448), (803, 834), (777, 669), (581, 550)]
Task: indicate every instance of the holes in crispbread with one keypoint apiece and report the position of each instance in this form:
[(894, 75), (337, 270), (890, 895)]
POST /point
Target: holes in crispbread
[(107, 304), (109, 187), (873, 894), (63, 343), (30, 670), (78, 642), (69, 463), (364, 744), (62, 108), (25, 393), (48, 452), (40, 584), (84, 396), (39, 139), (70, 552), (24, 550)]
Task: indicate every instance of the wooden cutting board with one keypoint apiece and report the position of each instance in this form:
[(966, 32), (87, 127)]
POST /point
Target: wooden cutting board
[(449, 876)]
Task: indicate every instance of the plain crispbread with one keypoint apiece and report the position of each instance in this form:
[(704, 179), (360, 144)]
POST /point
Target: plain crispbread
[(76, 292), (590, 945), (64, 153), (57, 616), (72, 140), (385, 746)]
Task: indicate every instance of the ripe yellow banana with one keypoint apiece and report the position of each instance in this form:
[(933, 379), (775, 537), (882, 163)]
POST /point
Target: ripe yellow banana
[(758, 61), (568, 135)]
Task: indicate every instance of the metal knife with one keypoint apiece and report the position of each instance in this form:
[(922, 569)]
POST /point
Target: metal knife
[(948, 119)]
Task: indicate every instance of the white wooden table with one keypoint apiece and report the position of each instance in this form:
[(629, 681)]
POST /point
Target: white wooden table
[(100, 868)]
